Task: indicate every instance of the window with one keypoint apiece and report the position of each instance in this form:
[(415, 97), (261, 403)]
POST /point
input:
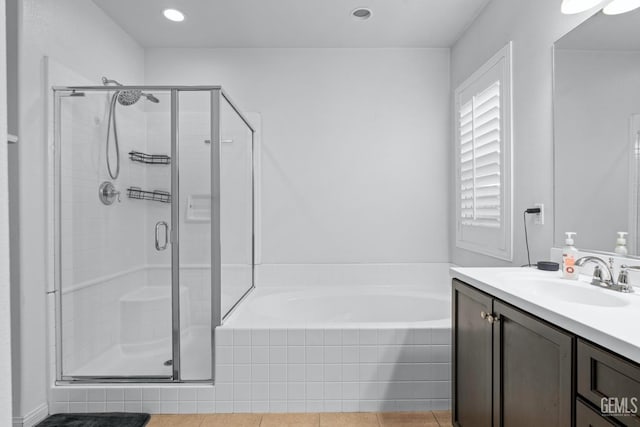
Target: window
[(483, 159)]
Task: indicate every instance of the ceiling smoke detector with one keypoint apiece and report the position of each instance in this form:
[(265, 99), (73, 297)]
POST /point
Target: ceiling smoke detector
[(361, 14)]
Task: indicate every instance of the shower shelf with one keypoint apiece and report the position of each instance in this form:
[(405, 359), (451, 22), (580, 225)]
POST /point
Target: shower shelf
[(155, 195), (150, 159)]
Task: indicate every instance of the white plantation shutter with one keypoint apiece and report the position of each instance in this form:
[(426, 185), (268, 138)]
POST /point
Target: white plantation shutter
[(483, 153), (480, 159)]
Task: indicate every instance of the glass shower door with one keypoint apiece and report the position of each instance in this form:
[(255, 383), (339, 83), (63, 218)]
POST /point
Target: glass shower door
[(113, 227), (194, 216), (236, 205), (153, 191)]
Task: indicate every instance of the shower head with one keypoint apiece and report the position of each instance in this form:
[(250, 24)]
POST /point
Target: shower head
[(129, 97)]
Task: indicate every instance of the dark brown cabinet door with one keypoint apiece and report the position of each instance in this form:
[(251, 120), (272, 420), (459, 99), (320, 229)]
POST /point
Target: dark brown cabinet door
[(472, 347), (532, 371)]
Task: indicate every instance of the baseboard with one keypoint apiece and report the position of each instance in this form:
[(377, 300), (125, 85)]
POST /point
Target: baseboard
[(33, 417), (415, 274)]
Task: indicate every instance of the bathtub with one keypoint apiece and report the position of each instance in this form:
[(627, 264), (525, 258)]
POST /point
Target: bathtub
[(335, 307), (336, 348)]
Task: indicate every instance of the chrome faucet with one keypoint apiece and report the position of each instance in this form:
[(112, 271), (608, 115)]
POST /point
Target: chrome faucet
[(597, 272), (607, 282)]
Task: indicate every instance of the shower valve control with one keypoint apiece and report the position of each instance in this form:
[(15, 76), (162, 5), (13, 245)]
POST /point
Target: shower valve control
[(108, 193)]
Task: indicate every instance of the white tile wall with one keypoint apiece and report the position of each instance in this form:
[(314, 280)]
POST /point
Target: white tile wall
[(335, 370)]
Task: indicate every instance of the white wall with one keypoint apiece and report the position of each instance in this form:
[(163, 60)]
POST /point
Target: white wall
[(79, 36), (533, 26), (5, 317), (596, 94), (353, 146)]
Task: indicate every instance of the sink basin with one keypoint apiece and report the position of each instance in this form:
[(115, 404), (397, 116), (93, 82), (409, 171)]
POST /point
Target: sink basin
[(566, 291)]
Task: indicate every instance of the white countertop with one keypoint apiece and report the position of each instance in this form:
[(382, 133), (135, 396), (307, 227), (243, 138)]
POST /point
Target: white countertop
[(605, 317)]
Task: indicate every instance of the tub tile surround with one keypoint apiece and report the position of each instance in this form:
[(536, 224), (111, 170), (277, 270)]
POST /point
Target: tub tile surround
[(333, 370)]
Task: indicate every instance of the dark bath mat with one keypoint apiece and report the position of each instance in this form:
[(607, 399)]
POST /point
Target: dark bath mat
[(112, 419)]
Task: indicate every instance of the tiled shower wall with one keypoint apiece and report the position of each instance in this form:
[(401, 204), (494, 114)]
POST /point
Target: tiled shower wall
[(297, 370)]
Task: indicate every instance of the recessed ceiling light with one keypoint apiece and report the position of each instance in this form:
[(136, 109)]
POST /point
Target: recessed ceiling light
[(617, 7), (173, 15), (569, 7), (361, 13)]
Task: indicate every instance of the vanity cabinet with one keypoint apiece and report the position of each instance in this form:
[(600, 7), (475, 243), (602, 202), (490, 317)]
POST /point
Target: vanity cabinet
[(509, 368)]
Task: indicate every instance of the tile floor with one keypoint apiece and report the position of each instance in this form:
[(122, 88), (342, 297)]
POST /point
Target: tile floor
[(360, 419)]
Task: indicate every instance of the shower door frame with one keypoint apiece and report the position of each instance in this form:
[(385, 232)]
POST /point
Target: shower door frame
[(217, 95)]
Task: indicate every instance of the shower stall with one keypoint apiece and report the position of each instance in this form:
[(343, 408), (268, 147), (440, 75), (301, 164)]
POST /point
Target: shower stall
[(154, 241)]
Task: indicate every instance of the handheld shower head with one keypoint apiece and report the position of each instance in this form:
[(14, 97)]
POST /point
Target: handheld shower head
[(129, 97), (125, 98), (151, 98)]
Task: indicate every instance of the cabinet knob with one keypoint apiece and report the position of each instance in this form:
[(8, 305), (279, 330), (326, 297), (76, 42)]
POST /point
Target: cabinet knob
[(491, 318)]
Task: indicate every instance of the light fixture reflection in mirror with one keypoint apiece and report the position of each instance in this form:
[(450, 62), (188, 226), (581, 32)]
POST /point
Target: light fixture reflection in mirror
[(570, 7), (616, 7)]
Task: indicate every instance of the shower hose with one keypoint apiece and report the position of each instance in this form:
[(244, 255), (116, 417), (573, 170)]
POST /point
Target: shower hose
[(112, 120)]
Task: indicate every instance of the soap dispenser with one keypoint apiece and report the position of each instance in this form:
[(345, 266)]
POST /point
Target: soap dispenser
[(621, 243), (569, 254)]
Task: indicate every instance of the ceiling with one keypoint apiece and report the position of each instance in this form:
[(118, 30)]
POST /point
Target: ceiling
[(294, 23), (605, 32)]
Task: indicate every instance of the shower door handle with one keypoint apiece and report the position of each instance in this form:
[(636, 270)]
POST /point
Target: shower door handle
[(162, 247)]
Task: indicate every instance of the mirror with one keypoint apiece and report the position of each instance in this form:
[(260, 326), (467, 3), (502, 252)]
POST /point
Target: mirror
[(597, 132)]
